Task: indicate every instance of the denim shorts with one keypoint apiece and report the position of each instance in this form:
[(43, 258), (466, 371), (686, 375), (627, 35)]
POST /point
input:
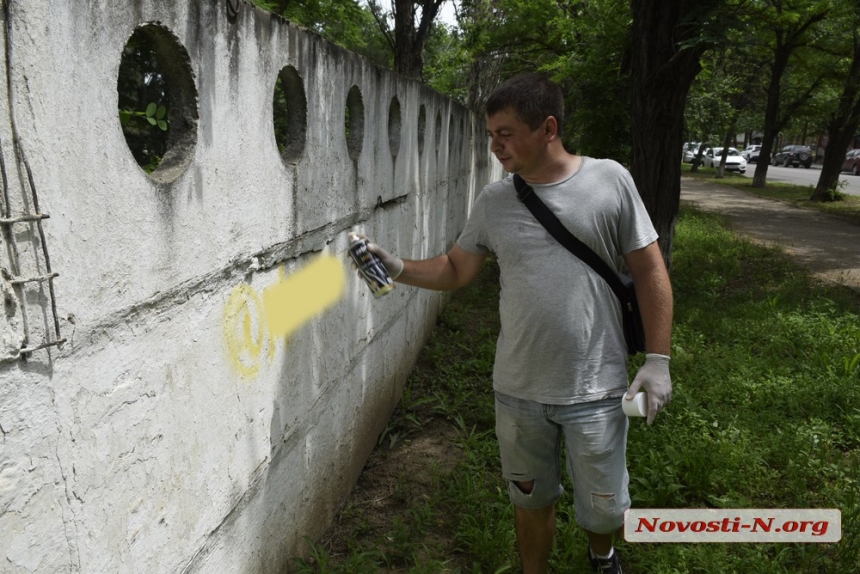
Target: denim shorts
[(595, 436)]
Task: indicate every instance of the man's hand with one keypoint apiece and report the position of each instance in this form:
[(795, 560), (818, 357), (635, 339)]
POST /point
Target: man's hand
[(441, 273), (392, 264), (653, 378)]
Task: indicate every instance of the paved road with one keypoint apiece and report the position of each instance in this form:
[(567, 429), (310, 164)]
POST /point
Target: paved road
[(804, 176), (827, 245)]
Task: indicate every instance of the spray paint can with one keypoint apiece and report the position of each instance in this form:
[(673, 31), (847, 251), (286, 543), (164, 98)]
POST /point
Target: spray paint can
[(370, 267)]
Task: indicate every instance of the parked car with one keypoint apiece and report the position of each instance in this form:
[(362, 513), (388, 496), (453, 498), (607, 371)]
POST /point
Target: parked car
[(734, 160), (751, 153), (852, 162), (689, 151), (793, 155)]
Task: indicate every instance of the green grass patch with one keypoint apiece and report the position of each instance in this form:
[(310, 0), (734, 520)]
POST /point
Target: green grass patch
[(765, 414), (848, 206)]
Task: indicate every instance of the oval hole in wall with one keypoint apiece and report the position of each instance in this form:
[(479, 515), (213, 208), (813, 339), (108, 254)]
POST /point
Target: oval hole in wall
[(451, 127), (395, 125), (157, 102), (354, 122), (290, 115)]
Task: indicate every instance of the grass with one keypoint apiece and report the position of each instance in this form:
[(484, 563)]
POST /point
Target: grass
[(765, 414), (848, 206)]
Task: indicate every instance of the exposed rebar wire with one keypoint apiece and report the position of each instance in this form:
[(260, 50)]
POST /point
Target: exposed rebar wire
[(13, 247), (47, 277), (50, 274), (23, 218), (14, 255), (27, 350)]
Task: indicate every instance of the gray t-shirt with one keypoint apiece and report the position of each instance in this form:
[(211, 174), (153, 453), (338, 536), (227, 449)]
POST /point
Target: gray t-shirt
[(561, 340)]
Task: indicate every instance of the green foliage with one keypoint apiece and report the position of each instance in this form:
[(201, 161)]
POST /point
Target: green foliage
[(592, 68), (347, 23), (143, 102), (447, 62), (832, 194), (154, 115), (333, 19), (581, 45)]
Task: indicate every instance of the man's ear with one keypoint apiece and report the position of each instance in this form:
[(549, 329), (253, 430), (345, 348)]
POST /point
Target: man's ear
[(550, 128)]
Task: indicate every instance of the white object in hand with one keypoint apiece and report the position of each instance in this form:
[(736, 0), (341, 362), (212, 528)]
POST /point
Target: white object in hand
[(635, 407)]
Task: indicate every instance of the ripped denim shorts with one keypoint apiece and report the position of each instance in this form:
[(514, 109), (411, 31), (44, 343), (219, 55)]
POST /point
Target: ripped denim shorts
[(595, 438)]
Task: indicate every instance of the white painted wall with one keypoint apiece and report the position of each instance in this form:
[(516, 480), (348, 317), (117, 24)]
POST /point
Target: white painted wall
[(150, 442)]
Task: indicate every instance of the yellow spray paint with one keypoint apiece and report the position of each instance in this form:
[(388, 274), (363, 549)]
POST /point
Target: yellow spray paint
[(245, 332), (252, 321)]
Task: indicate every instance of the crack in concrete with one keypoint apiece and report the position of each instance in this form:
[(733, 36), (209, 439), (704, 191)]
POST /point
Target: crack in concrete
[(69, 522), (166, 302)]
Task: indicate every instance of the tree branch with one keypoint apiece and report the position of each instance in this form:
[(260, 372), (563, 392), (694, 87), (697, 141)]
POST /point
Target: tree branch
[(376, 10)]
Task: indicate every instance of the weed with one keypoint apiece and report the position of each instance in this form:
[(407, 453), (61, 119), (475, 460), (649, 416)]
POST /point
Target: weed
[(317, 562)]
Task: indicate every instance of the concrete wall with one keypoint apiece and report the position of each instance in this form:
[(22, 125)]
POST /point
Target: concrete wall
[(176, 430)]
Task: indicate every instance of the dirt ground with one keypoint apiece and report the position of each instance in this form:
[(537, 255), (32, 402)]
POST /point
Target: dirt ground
[(393, 480), (828, 246)]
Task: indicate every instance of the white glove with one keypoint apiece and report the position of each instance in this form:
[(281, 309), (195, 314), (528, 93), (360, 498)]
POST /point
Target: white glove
[(653, 378), (392, 264)]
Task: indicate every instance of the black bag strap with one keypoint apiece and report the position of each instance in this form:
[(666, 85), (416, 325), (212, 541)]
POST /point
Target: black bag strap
[(547, 218)]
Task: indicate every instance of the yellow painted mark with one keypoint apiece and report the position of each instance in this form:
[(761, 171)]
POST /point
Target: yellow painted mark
[(244, 330), (295, 300), (252, 321)]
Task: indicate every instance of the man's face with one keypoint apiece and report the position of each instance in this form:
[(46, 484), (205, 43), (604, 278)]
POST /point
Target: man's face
[(518, 148)]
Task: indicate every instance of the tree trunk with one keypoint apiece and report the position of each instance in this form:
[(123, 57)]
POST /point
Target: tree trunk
[(662, 73), (772, 122), (721, 172), (828, 181), (411, 36), (697, 160), (841, 129), (788, 37)]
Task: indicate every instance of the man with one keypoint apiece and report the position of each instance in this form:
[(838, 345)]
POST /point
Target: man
[(561, 361)]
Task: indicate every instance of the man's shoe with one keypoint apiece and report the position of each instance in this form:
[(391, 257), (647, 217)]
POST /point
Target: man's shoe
[(605, 565)]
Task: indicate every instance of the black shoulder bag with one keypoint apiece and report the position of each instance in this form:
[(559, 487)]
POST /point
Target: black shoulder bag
[(621, 285)]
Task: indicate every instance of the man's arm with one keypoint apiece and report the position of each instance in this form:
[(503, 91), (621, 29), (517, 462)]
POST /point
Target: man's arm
[(654, 294), (443, 273)]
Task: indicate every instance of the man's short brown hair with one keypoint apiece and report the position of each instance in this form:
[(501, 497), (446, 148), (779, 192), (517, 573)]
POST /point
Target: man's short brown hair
[(532, 97)]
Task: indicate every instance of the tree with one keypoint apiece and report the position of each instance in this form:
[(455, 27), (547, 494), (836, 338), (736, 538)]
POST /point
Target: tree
[(413, 21), (843, 121), (788, 25), (669, 40), (721, 94), (479, 21)]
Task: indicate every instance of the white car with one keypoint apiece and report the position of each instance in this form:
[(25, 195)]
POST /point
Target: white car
[(751, 153), (689, 151), (734, 161)]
